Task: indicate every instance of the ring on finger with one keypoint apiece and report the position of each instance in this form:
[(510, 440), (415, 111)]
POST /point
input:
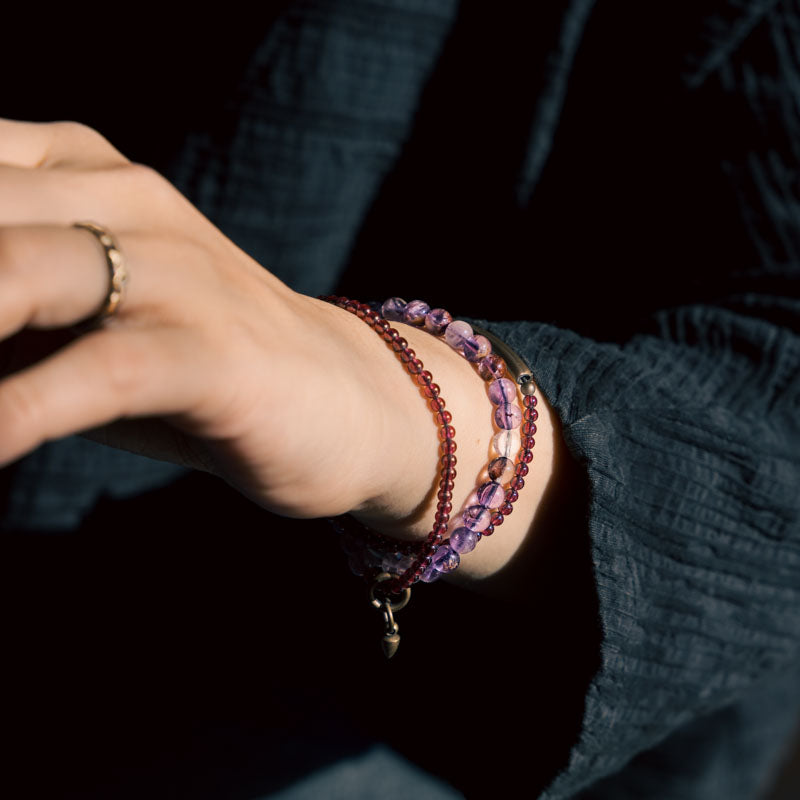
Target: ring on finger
[(117, 271)]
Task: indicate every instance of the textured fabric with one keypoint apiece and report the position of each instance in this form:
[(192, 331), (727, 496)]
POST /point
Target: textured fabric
[(622, 178)]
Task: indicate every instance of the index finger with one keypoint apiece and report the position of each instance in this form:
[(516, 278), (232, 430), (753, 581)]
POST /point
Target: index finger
[(47, 144)]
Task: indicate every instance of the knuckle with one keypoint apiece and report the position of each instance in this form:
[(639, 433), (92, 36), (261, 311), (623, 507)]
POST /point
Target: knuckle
[(77, 137)]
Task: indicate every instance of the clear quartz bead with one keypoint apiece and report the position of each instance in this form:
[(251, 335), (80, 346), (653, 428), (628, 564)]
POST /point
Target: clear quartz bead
[(506, 443)]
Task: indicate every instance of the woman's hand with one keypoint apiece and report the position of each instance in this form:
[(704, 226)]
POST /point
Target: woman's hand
[(211, 361)]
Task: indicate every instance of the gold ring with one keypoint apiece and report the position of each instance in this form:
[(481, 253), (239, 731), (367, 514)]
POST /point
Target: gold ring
[(117, 270)]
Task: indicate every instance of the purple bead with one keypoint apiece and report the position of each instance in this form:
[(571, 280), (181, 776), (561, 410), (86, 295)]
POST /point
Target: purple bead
[(502, 391), (415, 312), (463, 540), (430, 575), (507, 416), (437, 320), (457, 333), (491, 495), (393, 309), (477, 518), (445, 559), (476, 348)]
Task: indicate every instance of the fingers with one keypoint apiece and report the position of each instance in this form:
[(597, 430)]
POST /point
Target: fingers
[(107, 375), (47, 144), (49, 277)]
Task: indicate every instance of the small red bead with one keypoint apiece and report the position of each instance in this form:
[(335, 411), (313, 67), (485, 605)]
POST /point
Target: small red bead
[(407, 355), (506, 509), (446, 485), (440, 530), (517, 483), (522, 469), (445, 506), (382, 325), (445, 495), (399, 344), (528, 429), (532, 414), (436, 403), (448, 474), (448, 460), (371, 318), (497, 519), (489, 530), (444, 417), (432, 390), (448, 446), (414, 366), (530, 400), (424, 377), (391, 335), (442, 517), (512, 495), (447, 432), (527, 457)]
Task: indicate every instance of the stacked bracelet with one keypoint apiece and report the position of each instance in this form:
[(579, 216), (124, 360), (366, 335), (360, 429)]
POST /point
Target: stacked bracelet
[(392, 566), (493, 499)]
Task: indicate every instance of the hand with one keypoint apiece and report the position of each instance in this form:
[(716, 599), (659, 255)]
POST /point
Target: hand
[(211, 361)]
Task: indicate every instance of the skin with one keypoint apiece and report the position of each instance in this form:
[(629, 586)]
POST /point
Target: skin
[(214, 363)]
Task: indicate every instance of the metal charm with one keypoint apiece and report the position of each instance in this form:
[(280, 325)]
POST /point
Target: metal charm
[(391, 635)]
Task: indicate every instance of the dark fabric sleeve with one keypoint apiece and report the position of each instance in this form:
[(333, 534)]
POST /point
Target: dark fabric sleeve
[(690, 436)]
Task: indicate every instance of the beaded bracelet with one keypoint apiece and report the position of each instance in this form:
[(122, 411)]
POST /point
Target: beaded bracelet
[(418, 556), (392, 566), (493, 500)]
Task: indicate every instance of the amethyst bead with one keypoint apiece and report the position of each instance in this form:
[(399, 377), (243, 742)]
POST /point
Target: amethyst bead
[(502, 391), (463, 540), (476, 348), (446, 559), (491, 495), (415, 312), (430, 574), (477, 518), (457, 333), (507, 416), (393, 309), (437, 320)]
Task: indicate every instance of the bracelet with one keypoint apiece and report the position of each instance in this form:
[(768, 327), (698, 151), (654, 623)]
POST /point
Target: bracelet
[(391, 566), (493, 499), (385, 583)]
